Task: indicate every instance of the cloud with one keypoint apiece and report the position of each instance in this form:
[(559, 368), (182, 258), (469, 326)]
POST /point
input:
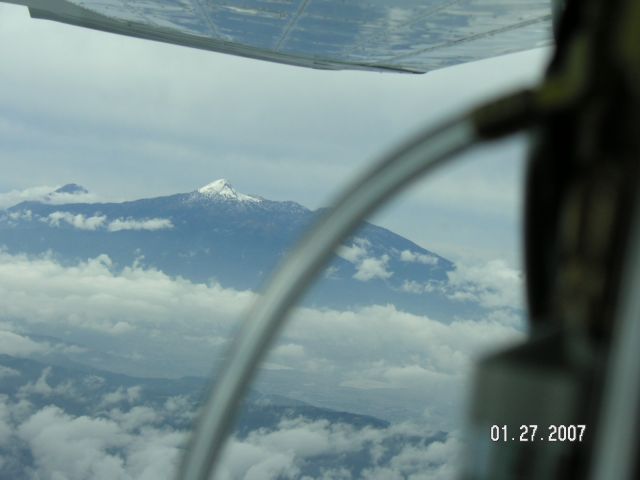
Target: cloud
[(355, 252), (154, 324), (129, 395), (493, 284), (78, 221), (41, 387), (44, 194), (136, 417), (97, 221), (416, 257), (150, 323), (138, 443), (380, 453), (63, 198), (80, 447), (13, 197), (180, 407), (331, 272), (411, 286), (21, 215), (436, 461), (367, 268), (92, 295), (370, 268), (146, 224), (19, 346), (390, 355)]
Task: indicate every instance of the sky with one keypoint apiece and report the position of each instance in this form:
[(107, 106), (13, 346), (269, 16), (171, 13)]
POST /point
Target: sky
[(130, 118)]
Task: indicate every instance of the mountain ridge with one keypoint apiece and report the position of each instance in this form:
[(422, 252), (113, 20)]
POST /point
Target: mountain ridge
[(217, 233)]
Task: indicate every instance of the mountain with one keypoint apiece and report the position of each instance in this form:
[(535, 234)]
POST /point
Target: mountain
[(71, 188), (216, 233)]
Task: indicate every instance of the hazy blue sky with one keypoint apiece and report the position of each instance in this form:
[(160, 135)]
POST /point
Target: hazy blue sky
[(129, 118)]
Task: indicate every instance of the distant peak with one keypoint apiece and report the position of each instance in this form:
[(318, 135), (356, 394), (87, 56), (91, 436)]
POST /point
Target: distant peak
[(71, 188), (219, 187), (222, 188)]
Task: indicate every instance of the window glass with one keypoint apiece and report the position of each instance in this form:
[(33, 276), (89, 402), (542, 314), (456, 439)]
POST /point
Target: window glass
[(147, 192)]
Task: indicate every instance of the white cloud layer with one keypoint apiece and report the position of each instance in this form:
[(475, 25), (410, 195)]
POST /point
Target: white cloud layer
[(493, 284), (416, 257), (137, 443), (78, 221), (170, 326), (146, 224), (21, 215), (42, 387), (92, 296), (367, 267), (394, 359), (45, 194), (371, 268), (355, 252), (17, 345), (283, 453), (97, 221), (70, 447)]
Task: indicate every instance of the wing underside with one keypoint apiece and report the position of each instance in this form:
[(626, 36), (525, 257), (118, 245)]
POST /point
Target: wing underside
[(403, 35)]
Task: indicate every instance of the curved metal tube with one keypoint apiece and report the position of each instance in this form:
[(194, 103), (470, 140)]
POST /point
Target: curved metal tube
[(419, 156)]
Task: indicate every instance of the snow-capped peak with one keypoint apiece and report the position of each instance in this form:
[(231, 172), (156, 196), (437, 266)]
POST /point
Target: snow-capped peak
[(223, 188)]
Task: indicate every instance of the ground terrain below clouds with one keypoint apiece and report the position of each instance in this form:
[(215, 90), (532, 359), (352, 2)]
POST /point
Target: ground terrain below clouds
[(85, 423)]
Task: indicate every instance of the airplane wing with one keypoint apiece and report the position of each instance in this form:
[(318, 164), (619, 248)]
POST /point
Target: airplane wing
[(402, 35)]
